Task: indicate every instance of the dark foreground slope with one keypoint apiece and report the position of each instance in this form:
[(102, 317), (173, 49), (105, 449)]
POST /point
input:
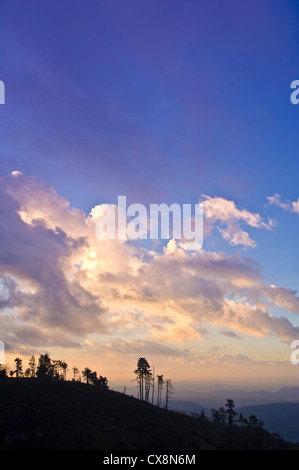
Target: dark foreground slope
[(37, 414)]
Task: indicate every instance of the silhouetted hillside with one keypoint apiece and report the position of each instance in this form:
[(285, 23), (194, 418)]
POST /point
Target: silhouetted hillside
[(41, 414)]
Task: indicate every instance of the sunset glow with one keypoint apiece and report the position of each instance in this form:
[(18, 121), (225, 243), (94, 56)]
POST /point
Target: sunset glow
[(162, 102)]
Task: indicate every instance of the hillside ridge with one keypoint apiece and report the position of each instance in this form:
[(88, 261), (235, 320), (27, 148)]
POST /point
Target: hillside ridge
[(47, 414)]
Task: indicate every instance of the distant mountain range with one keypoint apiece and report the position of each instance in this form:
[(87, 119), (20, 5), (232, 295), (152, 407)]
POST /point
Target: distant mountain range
[(279, 410), (188, 407), (282, 418), (217, 398)]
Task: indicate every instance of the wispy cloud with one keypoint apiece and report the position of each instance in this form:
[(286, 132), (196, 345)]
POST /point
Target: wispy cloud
[(287, 205), (228, 218)]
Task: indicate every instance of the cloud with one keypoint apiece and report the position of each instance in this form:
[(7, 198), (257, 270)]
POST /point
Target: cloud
[(228, 218), (276, 200), (142, 347), (33, 251), (61, 284), (256, 320), (221, 357), (230, 334)]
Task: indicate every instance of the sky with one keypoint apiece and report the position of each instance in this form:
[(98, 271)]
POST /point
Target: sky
[(180, 101)]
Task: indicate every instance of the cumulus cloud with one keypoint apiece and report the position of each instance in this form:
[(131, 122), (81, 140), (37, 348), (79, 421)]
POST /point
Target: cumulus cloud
[(33, 251), (60, 283)]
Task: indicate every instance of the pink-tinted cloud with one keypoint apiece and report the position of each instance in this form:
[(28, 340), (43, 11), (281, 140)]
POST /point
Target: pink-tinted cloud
[(58, 276)]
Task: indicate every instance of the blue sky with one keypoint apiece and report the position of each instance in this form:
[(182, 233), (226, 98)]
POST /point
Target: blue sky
[(160, 101), (193, 97)]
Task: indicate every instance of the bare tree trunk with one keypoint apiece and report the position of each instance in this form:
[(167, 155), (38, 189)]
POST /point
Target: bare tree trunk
[(153, 385), (169, 391)]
